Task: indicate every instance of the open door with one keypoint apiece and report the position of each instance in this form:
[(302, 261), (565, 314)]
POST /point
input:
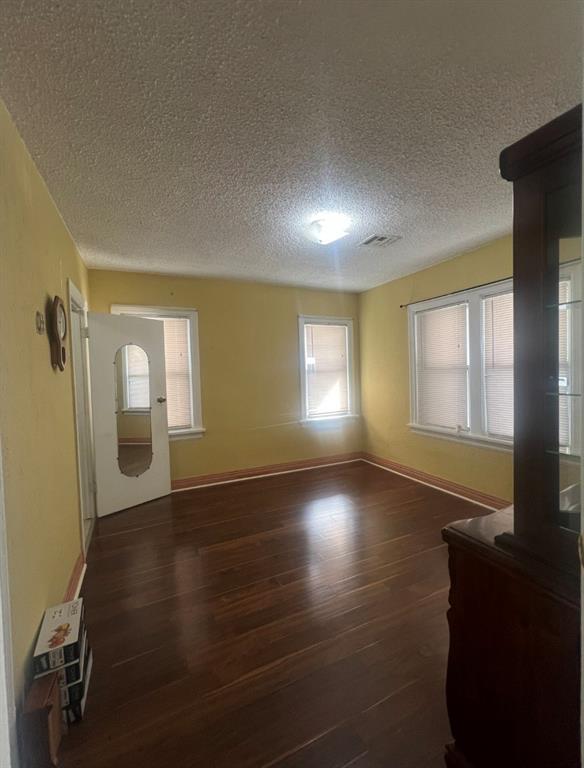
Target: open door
[(128, 398)]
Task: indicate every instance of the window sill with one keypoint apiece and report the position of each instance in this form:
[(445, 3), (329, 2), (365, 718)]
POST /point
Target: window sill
[(478, 441), (187, 434), (329, 419), (569, 458), (136, 411)]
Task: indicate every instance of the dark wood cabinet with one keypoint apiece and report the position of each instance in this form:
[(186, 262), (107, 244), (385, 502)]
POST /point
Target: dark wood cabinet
[(513, 684), (546, 169)]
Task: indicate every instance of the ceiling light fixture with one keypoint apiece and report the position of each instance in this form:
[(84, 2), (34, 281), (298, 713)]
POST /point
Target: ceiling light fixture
[(329, 227)]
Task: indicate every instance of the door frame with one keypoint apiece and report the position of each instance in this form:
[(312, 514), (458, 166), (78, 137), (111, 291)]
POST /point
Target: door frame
[(8, 740), (80, 367)]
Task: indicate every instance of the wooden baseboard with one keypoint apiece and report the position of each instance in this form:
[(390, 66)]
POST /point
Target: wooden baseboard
[(219, 478), (75, 579), (478, 497)]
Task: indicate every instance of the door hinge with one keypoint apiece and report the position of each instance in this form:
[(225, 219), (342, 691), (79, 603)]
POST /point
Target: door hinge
[(85, 333)]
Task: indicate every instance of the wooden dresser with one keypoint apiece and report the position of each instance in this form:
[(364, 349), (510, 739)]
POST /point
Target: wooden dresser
[(513, 683), (513, 686)]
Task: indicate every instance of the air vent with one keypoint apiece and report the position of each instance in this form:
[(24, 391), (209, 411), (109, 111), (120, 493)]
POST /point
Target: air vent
[(380, 241)]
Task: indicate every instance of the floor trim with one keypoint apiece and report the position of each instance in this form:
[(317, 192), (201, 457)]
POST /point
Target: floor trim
[(220, 478), (75, 580), (440, 483)]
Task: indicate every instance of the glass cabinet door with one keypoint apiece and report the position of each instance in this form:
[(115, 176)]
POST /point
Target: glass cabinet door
[(563, 354)]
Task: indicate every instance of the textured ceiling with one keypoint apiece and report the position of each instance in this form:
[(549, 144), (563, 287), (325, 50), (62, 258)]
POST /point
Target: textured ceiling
[(200, 138)]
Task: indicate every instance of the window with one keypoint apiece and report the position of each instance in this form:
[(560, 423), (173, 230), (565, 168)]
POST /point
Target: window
[(183, 395), (461, 364), (442, 367), (136, 383), (497, 364), (326, 367)]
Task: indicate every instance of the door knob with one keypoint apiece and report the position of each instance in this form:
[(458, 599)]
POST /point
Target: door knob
[(160, 399)]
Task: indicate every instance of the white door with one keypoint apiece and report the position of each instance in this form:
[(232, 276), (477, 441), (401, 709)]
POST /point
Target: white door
[(128, 399)]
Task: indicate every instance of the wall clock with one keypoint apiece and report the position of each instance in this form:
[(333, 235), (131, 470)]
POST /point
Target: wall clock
[(58, 333)]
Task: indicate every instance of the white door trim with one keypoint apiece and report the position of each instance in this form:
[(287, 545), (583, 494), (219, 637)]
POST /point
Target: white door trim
[(80, 366), (8, 749)]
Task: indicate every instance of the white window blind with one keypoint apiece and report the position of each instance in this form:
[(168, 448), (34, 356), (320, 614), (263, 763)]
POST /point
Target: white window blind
[(178, 372), (137, 378), (326, 361), (497, 364), (442, 367)]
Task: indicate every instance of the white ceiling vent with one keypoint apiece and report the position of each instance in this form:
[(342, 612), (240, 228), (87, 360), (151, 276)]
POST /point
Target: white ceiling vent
[(380, 241)]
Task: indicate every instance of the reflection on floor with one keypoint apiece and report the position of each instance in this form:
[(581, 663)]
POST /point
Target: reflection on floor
[(134, 458), (297, 621)]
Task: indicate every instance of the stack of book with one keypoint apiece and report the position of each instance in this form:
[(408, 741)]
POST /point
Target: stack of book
[(63, 647)]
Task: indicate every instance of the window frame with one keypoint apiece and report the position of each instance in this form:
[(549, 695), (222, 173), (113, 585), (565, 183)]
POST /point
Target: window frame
[(347, 322), (159, 313), (476, 434)]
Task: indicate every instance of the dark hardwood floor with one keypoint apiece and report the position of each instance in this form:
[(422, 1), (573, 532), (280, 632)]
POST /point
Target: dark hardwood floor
[(296, 621)]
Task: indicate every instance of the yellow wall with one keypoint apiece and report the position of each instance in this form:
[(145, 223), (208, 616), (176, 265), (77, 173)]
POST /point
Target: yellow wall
[(250, 386), (37, 255), (385, 393)]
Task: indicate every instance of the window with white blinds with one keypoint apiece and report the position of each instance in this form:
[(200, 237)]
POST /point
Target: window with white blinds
[(442, 367), (179, 379), (182, 368), (326, 352), (497, 364), (136, 378), (461, 364)]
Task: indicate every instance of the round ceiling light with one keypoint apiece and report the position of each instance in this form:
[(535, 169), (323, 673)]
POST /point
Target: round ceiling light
[(328, 227)]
